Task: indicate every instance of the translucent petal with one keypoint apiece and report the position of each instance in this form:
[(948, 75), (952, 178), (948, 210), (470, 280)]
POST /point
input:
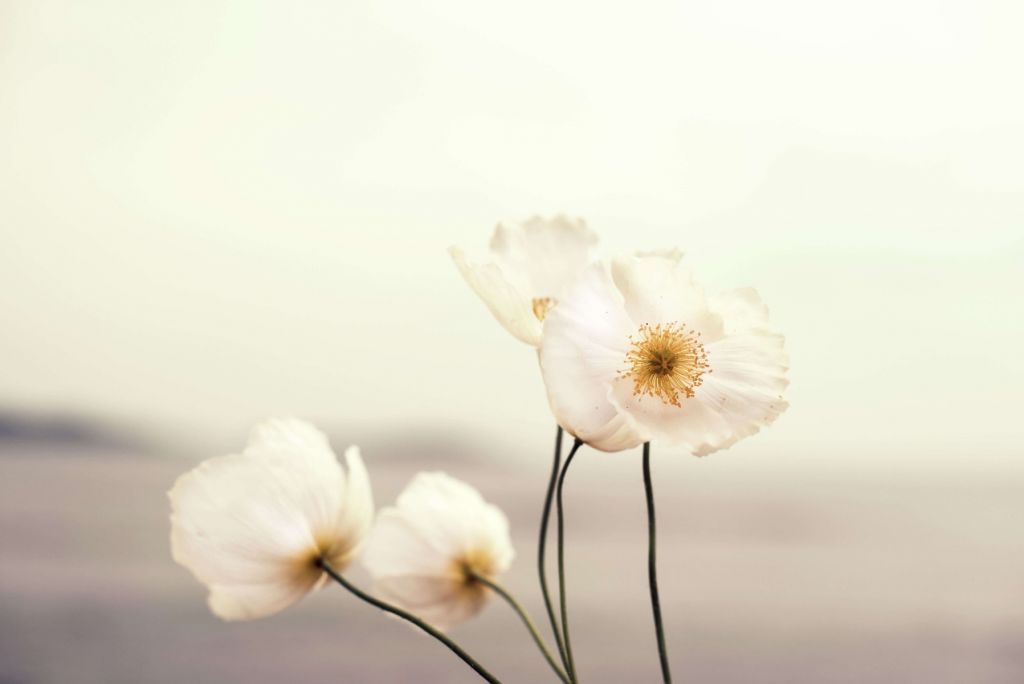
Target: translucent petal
[(357, 511), (532, 265), (509, 302), (250, 525), (658, 289), (551, 253), (586, 338), (417, 549)]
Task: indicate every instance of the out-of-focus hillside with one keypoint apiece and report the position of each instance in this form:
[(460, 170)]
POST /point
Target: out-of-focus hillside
[(769, 575)]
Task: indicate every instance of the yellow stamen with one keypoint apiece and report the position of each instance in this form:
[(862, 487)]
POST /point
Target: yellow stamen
[(541, 306), (338, 551), (470, 565), (666, 361)]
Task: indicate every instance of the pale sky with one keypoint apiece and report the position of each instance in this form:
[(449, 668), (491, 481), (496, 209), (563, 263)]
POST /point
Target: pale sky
[(215, 212)]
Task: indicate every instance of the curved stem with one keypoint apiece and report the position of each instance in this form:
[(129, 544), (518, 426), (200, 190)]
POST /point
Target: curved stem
[(652, 572), (394, 610), (525, 617), (542, 547), (570, 665)]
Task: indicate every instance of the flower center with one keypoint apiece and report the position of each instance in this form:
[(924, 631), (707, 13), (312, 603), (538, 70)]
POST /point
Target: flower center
[(666, 361), (541, 306), (466, 568), (336, 551), (472, 563)]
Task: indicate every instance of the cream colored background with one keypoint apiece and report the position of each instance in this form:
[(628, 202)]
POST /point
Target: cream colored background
[(213, 212)]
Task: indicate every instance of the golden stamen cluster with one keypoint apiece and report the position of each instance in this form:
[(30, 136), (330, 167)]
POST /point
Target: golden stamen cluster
[(541, 306), (470, 565), (666, 361)]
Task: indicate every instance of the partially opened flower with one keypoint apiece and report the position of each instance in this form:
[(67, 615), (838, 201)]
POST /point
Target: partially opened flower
[(428, 551), (253, 526), (638, 353), (532, 266)]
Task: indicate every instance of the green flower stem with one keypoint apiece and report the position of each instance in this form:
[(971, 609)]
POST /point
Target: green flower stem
[(525, 617), (388, 608), (652, 572), (542, 547), (570, 664)]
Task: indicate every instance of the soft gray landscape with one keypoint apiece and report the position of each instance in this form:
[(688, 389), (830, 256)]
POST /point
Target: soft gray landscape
[(778, 569)]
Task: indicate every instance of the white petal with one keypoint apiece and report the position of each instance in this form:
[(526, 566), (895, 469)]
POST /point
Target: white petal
[(397, 546), (658, 289), (493, 535), (291, 433), (439, 601), (306, 470), (551, 252), (510, 302), (249, 525), (416, 549), (741, 310), (252, 601), (453, 517), (357, 511), (584, 347), (235, 527)]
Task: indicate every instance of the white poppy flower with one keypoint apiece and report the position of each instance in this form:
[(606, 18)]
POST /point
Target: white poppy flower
[(637, 353), (532, 266), (424, 552), (252, 526)]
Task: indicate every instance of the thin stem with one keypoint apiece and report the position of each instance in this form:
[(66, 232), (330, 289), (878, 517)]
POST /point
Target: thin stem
[(542, 547), (652, 571), (388, 608), (525, 617), (570, 666)]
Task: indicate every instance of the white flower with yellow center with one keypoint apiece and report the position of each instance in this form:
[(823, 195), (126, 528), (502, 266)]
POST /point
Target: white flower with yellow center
[(427, 552), (637, 353), (532, 266), (253, 526)]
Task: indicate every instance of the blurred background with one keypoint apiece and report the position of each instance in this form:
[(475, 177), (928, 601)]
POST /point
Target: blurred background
[(216, 212)]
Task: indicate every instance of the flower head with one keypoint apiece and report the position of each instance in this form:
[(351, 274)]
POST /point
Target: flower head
[(426, 553), (252, 526), (532, 266), (637, 352)]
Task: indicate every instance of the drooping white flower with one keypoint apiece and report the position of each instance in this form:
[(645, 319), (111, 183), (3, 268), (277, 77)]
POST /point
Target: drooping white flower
[(637, 353), (423, 553), (252, 526), (532, 266)]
